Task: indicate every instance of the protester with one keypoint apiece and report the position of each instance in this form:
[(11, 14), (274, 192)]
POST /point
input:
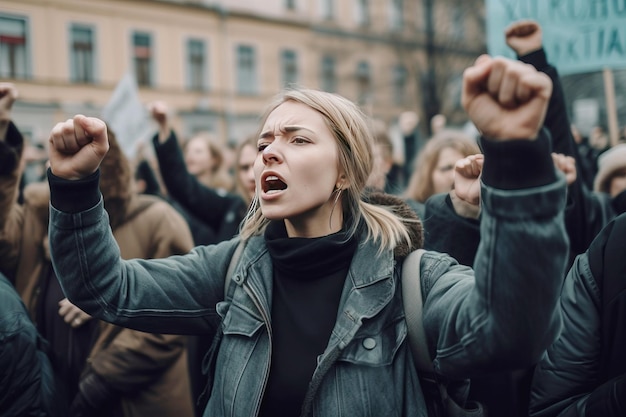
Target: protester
[(105, 370), (28, 386), (433, 171), (410, 144), (315, 249), (382, 153), (204, 159), (584, 372), (588, 211), (226, 209)]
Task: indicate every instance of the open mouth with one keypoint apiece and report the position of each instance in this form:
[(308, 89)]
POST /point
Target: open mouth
[(272, 184)]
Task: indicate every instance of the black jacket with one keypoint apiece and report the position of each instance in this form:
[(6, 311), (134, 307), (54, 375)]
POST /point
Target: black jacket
[(222, 212), (584, 372), (27, 385)]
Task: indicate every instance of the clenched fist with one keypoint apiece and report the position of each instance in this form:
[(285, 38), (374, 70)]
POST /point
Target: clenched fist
[(505, 99), (77, 146)]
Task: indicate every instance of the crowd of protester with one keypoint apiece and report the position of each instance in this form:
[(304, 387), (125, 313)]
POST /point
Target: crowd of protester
[(194, 284)]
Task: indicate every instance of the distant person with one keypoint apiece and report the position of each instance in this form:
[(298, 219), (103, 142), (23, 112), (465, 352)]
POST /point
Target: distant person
[(104, 370), (433, 171)]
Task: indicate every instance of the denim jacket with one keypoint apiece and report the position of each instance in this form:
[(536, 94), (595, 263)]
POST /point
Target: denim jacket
[(501, 315)]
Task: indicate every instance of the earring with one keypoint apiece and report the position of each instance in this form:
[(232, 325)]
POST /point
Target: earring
[(337, 194)]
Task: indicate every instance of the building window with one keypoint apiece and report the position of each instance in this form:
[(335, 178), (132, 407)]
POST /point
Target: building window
[(246, 70), (329, 79), (13, 47), (290, 68), (290, 4), (399, 85), (82, 54), (457, 27), (364, 82), (327, 7), (196, 64), (142, 57), (362, 12), (396, 13)]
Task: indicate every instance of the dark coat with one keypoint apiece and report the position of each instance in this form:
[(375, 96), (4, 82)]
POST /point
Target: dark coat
[(148, 371), (27, 385), (584, 372)]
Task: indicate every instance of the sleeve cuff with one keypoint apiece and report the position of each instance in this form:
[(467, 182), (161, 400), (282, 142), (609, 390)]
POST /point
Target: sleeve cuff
[(518, 164), (74, 196), (169, 144), (536, 58)]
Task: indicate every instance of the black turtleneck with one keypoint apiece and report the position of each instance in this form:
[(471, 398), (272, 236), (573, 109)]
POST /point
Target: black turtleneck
[(309, 274)]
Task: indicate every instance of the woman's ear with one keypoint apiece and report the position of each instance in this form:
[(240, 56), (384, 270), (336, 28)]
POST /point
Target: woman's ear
[(342, 182)]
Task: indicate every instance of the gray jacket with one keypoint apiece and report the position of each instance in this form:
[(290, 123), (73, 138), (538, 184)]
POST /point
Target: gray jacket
[(503, 315)]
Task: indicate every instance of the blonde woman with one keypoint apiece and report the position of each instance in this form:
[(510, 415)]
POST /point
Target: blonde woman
[(313, 321)]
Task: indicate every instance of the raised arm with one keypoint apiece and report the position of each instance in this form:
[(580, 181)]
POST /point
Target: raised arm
[(11, 214), (203, 202), (507, 315)]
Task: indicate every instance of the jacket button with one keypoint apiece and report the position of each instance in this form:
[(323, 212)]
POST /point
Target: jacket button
[(237, 279), (369, 343)]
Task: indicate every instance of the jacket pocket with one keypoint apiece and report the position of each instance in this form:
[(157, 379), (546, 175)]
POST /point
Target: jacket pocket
[(376, 346), (241, 321)]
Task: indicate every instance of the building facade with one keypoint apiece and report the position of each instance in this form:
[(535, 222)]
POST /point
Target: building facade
[(217, 63)]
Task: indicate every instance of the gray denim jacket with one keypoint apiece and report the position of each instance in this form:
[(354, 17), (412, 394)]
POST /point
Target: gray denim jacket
[(502, 316)]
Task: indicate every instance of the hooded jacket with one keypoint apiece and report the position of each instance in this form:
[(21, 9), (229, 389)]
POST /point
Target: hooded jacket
[(148, 372)]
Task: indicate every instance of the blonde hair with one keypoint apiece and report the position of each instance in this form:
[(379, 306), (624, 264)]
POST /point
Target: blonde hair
[(421, 186), (353, 133)]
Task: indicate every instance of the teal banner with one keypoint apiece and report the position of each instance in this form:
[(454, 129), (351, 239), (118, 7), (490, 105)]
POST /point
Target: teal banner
[(578, 35)]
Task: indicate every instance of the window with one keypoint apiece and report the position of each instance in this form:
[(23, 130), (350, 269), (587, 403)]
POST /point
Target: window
[(290, 68), (82, 54), (399, 84), (328, 81), (364, 81), (396, 13), (196, 61), (290, 4), (327, 9), (246, 70), (362, 12), (142, 56), (13, 47), (457, 27)]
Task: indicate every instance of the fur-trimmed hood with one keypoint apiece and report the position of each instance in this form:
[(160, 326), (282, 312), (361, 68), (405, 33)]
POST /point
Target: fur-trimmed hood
[(404, 211)]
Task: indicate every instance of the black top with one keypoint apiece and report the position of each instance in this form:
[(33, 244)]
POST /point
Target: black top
[(309, 275)]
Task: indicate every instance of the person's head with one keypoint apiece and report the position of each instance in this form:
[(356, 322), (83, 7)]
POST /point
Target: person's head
[(433, 170), (204, 159), (408, 121), (383, 160), (611, 176), (578, 137), (244, 168), (314, 158), (438, 123), (598, 138)]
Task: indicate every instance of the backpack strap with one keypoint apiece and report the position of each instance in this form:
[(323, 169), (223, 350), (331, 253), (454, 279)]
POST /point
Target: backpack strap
[(413, 303)]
